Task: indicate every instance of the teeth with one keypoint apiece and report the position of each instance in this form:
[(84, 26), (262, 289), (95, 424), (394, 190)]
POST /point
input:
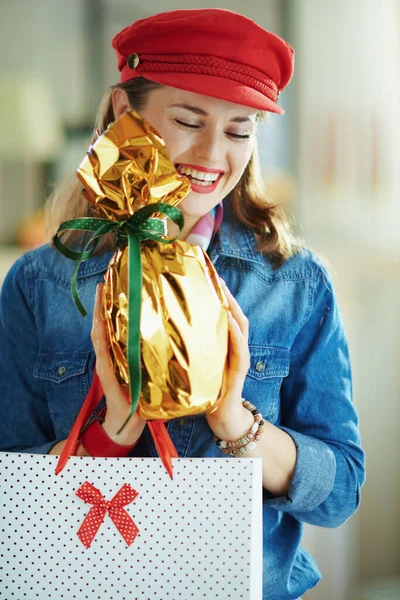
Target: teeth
[(202, 183), (199, 175)]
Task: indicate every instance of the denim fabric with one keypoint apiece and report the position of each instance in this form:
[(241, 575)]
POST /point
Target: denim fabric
[(299, 378)]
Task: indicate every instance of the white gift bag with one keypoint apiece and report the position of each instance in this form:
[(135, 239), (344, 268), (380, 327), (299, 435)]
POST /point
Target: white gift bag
[(141, 534)]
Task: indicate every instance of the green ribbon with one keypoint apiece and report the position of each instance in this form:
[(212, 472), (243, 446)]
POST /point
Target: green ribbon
[(139, 227)]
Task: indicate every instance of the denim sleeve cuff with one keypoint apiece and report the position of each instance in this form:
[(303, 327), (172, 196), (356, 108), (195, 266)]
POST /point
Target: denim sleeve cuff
[(41, 449), (313, 477)]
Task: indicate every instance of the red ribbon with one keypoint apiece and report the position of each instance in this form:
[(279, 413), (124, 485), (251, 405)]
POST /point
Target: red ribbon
[(91, 402), (162, 441), (95, 517)]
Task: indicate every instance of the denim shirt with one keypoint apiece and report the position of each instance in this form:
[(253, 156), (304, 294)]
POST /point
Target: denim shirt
[(299, 378)]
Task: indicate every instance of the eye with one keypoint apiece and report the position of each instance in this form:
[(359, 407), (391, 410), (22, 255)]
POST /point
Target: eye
[(237, 136), (189, 125)]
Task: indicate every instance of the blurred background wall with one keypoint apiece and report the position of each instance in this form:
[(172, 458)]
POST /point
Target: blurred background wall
[(332, 161)]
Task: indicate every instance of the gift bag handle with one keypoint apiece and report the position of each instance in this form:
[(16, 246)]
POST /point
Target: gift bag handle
[(162, 441)]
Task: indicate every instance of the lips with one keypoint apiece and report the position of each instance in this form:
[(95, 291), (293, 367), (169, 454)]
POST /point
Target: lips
[(200, 184), (202, 189), (199, 168)]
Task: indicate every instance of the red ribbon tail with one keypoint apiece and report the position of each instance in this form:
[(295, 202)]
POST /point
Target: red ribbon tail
[(91, 402), (91, 524), (124, 523), (165, 448)]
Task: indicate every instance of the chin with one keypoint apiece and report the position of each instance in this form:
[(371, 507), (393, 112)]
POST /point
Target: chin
[(197, 205)]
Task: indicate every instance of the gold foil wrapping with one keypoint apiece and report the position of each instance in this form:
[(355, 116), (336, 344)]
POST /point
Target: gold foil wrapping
[(184, 324), (127, 168)]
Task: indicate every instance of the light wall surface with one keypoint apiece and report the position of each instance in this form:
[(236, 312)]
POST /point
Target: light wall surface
[(347, 156)]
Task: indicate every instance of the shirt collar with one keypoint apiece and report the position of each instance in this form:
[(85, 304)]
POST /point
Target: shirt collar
[(235, 240)]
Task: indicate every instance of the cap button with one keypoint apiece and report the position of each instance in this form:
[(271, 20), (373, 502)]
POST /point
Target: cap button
[(133, 61)]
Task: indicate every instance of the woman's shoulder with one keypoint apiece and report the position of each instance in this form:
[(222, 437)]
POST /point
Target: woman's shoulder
[(238, 241), (307, 262), (307, 267)]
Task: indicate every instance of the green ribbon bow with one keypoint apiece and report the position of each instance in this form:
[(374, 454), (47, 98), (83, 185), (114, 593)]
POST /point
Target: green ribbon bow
[(131, 232)]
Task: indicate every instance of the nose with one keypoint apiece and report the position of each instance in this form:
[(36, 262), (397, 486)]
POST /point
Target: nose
[(208, 146)]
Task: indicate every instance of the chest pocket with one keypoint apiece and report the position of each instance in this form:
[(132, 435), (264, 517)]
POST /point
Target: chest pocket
[(268, 366), (66, 377)]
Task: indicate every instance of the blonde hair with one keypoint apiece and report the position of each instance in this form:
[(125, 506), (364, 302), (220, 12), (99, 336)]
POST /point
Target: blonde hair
[(249, 198)]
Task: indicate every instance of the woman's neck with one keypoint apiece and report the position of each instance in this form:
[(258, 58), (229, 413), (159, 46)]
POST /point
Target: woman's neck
[(189, 223)]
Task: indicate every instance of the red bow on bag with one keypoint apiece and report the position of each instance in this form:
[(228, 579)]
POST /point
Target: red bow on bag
[(95, 517)]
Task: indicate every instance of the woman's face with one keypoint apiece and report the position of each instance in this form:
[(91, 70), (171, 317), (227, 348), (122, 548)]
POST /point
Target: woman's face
[(209, 140)]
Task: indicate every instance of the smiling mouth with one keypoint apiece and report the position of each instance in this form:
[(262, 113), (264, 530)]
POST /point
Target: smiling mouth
[(199, 177)]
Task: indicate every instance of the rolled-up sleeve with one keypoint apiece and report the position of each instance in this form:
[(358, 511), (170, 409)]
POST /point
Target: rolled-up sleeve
[(25, 424), (318, 413)]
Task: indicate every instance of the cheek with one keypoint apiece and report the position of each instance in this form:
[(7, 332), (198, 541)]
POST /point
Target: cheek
[(176, 142), (240, 161)]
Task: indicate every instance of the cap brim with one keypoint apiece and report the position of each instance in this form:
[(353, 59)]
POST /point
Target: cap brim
[(217, 87)]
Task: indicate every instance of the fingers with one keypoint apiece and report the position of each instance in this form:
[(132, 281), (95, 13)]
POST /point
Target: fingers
[(104, 365), (117, 401), (236, 311), (236, 369), (239, 359), (98, 333), (235, 341)]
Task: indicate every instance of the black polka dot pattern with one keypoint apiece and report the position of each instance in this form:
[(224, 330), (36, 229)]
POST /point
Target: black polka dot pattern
[(197, 537)]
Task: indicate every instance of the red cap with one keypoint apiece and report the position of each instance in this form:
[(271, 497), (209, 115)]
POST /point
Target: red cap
[(210, 51)]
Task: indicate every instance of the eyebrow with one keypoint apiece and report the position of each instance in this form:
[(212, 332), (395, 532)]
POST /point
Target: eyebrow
[(203, 113)]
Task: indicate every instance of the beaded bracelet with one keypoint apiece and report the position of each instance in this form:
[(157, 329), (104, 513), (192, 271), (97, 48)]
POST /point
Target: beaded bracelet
[(247, 442)]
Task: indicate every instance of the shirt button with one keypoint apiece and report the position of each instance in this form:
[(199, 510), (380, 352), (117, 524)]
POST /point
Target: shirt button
[(260, 366), (61, 371)]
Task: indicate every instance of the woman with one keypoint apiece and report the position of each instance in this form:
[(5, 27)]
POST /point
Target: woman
[(287, 353)]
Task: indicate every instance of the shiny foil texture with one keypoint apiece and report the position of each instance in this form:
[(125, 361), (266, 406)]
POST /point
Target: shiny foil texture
[(127, 168), (184, 328), (184, 320)]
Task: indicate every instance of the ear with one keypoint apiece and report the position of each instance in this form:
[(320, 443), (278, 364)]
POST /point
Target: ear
[(120, 102)]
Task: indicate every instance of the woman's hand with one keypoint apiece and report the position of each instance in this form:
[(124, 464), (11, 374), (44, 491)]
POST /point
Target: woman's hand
[(231, 420), (117, 402)]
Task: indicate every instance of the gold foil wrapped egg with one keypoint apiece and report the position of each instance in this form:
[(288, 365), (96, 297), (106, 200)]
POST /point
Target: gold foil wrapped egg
[(184, 320)]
